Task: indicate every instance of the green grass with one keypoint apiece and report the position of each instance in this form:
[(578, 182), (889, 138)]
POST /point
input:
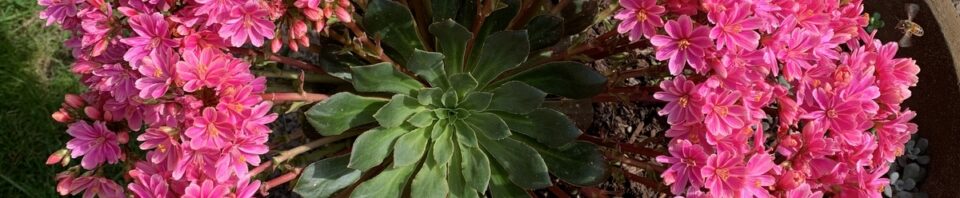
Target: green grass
[(33, 78)]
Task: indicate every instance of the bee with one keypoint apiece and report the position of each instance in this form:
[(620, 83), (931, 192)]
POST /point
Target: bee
[(908, 27)]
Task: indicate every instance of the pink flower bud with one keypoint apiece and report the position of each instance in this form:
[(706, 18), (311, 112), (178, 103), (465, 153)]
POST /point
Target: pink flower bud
[(65, 180), (293, 45), (66, 160), (62, 116), (56, 157), (123, 137), (790, 179), (73, 100), (92, 113), (344, 15), (275, 44)]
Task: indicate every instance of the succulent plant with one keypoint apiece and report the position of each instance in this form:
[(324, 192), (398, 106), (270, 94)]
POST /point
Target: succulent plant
[(909, 170), (457, 120)]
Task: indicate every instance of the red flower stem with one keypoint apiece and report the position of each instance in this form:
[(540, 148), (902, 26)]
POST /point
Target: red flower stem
[(259, 169), (289, 154), (593, 192), (280, 59), (282, 179), (623, 146), (559, 7), (638, 164), (558, 192), (656, 186), (306, 97), (632, 94)]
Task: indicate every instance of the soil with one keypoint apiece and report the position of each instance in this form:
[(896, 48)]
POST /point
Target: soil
[(935, 98)]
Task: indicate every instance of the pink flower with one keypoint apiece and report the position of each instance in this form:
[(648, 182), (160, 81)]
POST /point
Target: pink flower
[(724, 174), (682, 7), (640, 18), (245, 150), (237, 100), (57, 10), (118, 80), (157, 75), (723, 116), (153, 38), (803, 191), (153, 186), (195, 163), (797, 54), (217, 11), (686, 160), (735, 29), (756, 177), (206, 190), (683, 44), (95, 143), (864, 183), (834, 113), (258, 118), (163, 143), (247, 189), (248, 22), (95, 186), (203, 68), (213, 129), (683, 101)]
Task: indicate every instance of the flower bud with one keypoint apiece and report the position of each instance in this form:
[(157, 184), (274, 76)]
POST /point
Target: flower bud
[(92, 113), (62, 116), (275, 44), (73, 101), (173, 132), (57, 156), (64, 182), (123, 137), (66, 160)]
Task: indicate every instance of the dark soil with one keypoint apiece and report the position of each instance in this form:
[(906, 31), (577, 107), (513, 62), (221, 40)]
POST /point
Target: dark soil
[(936, 98)]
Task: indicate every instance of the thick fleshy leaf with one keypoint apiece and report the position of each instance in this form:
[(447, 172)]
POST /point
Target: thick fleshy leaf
[(342, 111), (458, 186), (394, 25), (500, 52), (450, 99), (463, 83), (389, 183), (443, 145), (523, 164), (397, 110), (489, 124), (476, 101), (516, 97), (325, 177), (382, 77), (501, 186), (373, 146), (567, 79), (545, 31), (547, 126), (476, 167), (429, 66), (444, 9), (422, 119), (467, 11), (580, 163), (430, 181), (430, 96), (579, 15), (497, 21), (466, 135), (452, 42), (410, 147)]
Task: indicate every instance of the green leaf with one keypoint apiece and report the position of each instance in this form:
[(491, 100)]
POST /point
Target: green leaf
[(342, 111), (489, 124), (430, 96), (580, 164), (382, 77), (397, 110), (545, 31), (476, 101), (325, 177), (501, 51), (463, 83), (458, 185), (389, 183), (516, 97), (444, 9), (394, 25), (500, 185), (410, 147), (452, 42), (547, 126), (438, 128), (430, 181), (450, 99), (429, 66), (443, 145), (467, 12), (465, 134), (525, 166), (497, 21), (422, 119), (567, 79), (476, 167), (579, 15), (372, 146)]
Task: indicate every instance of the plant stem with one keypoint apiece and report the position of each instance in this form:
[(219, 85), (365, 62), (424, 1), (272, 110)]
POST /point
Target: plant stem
[(638, 164), (282, 179), (559, 7), (289, 154), (558, 192), (306, 97), (646, 182), (280, 59), (309, 77), (622, 146), (259, 169), (629, 94)]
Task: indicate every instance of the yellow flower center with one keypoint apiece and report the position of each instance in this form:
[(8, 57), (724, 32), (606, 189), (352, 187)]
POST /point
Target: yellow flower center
[(212, 131), (683, 101), (832, 113), (641, 15), (720, 110), (683, 44), (723, 173)]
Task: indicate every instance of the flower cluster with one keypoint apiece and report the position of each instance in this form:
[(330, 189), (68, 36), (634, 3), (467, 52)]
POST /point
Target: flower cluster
[(782, 98), (162, 71)]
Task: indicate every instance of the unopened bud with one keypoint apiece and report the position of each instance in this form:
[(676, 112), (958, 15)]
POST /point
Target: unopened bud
[(123, 137), (66, 160), (275, 44), (73, 101), (92, 113), (55, 157), (62, 116), (173, 132)]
